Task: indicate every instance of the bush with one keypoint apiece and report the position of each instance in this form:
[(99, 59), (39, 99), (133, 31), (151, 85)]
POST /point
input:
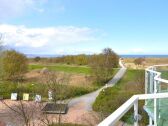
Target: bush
[(139, 61), (14, 65), (37, 59)]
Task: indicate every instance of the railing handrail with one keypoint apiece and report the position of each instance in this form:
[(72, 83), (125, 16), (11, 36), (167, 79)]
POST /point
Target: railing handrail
[(117, 115), (158, 74)]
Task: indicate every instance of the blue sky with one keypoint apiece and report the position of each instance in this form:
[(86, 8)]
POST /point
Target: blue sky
[(85, 26)]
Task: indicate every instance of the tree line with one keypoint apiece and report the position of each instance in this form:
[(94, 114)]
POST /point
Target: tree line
[(101, 64), (81, 59), (15, 64)]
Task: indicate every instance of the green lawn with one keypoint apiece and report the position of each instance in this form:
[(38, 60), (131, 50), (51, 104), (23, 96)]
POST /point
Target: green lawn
[(164, 74), (112, 98), (62, 67)]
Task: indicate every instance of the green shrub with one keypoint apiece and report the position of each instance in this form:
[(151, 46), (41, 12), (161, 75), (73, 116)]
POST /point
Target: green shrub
[(14, 65)]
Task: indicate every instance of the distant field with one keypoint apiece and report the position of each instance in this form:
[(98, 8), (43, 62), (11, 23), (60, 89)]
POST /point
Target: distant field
[(149, 61), (62, 67), (129, 62)]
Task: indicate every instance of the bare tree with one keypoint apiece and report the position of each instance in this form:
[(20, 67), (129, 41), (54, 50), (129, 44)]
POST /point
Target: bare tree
[(23, 113), (139, 61), (57, 84), (29, 113)]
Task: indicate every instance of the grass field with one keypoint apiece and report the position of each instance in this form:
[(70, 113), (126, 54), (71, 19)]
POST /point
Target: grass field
[(110, 99), (62, 67)]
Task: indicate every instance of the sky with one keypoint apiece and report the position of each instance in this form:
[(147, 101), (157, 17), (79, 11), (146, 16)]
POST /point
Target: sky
[(85, 26)]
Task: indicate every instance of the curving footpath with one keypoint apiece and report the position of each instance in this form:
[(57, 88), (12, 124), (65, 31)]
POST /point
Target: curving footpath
[(90, 98)]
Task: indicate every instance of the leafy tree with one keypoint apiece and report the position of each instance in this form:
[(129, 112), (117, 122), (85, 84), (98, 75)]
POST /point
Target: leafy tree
[(81, 59), (68, 59), (111, 58), (102, 65), (37, 59), (14, 65)]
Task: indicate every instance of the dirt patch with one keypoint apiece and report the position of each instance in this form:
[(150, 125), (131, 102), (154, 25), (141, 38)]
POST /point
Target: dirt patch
[(34, 74), (2, 124), (80, 80), (76, 114), (74, 79)]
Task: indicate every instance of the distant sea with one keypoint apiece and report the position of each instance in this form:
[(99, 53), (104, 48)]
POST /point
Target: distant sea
[(122, 56)]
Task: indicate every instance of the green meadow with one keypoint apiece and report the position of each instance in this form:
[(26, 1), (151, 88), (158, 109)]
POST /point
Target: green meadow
[(61, 67)]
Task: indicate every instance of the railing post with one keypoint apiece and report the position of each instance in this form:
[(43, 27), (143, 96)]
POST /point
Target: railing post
[(151, 82), (155, 103), (136, 113), (158, 100)]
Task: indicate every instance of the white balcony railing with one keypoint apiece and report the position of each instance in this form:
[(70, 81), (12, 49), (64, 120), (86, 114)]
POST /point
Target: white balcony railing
[(153, 81)]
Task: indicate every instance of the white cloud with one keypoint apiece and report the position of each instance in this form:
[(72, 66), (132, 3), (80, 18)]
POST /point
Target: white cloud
[(49, 37), (10, 8)]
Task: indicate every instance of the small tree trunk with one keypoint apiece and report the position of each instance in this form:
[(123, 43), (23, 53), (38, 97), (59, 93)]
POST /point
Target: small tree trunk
[(59, 119)]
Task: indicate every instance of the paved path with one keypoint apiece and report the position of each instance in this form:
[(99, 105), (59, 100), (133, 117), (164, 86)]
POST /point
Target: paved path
[(89, 99)]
